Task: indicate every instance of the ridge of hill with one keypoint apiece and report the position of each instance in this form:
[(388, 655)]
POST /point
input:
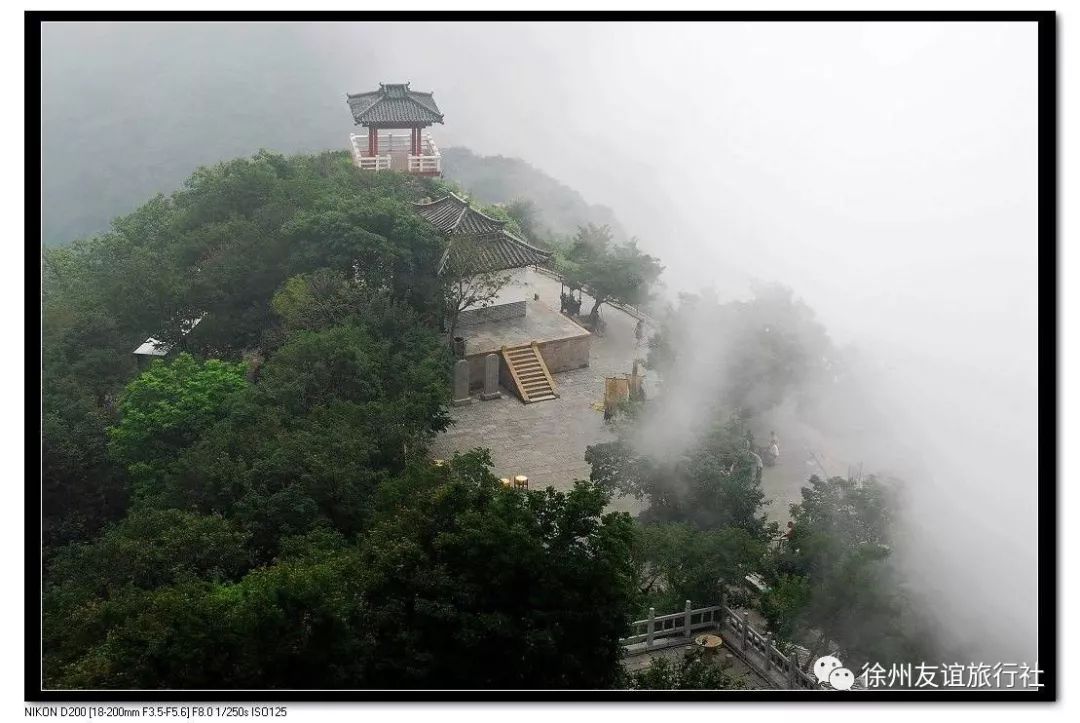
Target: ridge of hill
[(491, 179), (503, 180)]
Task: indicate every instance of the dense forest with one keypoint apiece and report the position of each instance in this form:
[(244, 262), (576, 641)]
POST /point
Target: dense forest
[(259, 509)]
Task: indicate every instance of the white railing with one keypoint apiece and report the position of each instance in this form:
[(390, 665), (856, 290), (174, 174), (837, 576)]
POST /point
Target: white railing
[(755, 648), (428, 161), (373, 163), (425, 164), (674, 625), (402, 143), (363, 159), (357, 142)]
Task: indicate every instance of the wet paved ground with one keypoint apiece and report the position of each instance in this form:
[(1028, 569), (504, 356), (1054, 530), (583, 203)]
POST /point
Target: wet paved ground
[(541, 323), (546, 441), (734, 666)]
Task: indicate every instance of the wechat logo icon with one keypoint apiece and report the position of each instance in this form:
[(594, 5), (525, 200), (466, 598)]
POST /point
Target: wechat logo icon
[(829, 669)]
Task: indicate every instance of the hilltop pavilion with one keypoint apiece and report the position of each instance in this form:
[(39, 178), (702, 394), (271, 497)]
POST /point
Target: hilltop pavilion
[(395, 107)]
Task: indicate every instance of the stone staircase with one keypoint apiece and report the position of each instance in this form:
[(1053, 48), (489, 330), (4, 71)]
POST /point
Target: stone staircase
[(532, 380)]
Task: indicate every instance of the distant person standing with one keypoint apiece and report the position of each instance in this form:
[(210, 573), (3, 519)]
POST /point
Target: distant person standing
[(639, 330), (785, 539)]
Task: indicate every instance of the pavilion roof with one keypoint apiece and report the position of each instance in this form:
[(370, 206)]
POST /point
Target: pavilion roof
[(453, 214), (477, 242), (394, 103)]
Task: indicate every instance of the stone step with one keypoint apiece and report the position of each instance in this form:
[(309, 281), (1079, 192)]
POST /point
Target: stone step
[(534, 391), (530, 374)]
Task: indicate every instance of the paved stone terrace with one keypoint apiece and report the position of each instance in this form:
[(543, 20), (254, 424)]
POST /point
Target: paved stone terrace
[(735, 666), (547, 440), (540, 323)]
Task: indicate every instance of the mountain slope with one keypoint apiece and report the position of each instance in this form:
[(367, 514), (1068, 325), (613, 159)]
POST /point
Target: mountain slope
[(498, 179)]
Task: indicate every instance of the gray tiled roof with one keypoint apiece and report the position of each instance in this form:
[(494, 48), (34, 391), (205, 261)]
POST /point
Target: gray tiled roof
[(495, 251), (452, 214), (478, 242), (394, 103)]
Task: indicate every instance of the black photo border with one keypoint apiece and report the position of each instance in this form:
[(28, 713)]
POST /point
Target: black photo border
[(1048, 365)]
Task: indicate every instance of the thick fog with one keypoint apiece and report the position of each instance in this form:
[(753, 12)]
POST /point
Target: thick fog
[(885, 172)]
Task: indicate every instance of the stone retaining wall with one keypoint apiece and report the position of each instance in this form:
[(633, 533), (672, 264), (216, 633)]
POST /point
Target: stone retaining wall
[(560, 355), (499, 312)]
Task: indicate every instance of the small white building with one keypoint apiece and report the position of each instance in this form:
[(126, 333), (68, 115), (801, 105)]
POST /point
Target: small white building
[(154, 348)]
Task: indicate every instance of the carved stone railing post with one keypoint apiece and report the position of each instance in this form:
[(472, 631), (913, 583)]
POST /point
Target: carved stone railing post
[(745, 629), (686, 619), (651, 629)]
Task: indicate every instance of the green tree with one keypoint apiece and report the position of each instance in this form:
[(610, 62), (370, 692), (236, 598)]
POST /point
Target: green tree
[(406, 374), (681, 562), (501, 588), (93, 588), (714, 484), (216, 250), (81, 489), (467, 284), (318, 300), (174, 636), (526, 217), (336, 411), (783, 605), (168, 407), (381, 241), (150, 548), (833, 584), (609, 273), (460, 583)]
